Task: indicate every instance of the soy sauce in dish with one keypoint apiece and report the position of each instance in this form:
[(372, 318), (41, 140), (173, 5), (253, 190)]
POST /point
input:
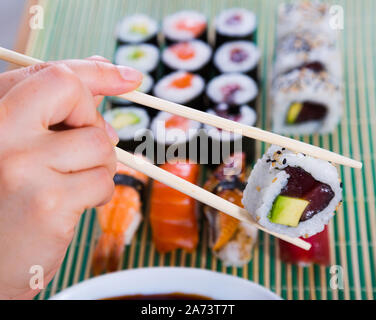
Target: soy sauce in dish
[(162, 296)]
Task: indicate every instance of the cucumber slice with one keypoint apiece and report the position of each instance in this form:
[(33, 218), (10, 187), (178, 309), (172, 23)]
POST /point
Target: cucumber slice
[(122, 120)]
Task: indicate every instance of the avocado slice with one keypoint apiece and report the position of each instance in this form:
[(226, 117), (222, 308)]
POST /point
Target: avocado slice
[(122, 120), (287, 210), (293, 112)]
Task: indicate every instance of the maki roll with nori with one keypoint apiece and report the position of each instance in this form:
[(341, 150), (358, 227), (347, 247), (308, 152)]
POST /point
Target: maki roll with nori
[(237, 56), (192, 56), (137, 29), (306, 102), (131, 124), (291, 193), (309, 15), (235, 24), (307, 48), (233, 89), (221, 144), (230, 240), (185, 26), (174, 137), (181, 87), (143, 57)]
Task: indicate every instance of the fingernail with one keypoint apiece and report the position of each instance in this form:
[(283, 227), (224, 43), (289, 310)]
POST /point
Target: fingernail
[(130, 74), (112, 134), (99, 58)]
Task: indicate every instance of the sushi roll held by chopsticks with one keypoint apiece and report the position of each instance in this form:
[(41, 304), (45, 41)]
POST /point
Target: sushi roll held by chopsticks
[(291, 193)]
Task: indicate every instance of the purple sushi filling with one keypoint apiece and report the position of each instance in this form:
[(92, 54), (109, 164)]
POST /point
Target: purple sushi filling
[(231, 112), (302, 185), (311, 111), (315, 66), (229, 92), (227, 111), (234, 20), (238, 55)]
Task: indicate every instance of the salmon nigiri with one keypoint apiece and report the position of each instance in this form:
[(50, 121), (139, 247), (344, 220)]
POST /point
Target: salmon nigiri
[(173, 214), (230, 240), (119, 219)]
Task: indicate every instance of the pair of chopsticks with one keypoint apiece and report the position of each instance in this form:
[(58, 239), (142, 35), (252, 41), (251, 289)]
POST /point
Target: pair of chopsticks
[(186, 187)]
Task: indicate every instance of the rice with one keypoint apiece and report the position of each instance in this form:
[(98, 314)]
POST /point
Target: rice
[(305, 46), (143, 57), (172, 135), (306, 85), (136, 29), (224, 61), (267, 180), (309, 15), (202, 55), (246, 92), (129, 132), (238, 251), (245, 22), (247, 116), (164, 90), (173, 33)]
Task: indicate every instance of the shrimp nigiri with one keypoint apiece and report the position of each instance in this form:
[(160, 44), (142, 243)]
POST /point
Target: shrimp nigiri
[(119, 219), (173, 214)]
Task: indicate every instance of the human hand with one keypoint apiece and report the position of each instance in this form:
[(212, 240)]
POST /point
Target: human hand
[(48, 178)]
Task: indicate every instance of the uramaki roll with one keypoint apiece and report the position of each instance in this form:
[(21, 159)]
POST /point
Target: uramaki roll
[(291, 193)]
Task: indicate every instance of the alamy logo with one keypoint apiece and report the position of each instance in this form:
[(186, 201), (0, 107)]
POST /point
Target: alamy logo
[(336, 280), (336, 21), (37, 280), (37, 19)]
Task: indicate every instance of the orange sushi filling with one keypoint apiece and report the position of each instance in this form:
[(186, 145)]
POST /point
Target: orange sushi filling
[(183, 51), (183, 82), (191, 25), (177, 122)]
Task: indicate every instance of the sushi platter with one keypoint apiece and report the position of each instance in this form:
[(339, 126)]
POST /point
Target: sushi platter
[(242, 61)]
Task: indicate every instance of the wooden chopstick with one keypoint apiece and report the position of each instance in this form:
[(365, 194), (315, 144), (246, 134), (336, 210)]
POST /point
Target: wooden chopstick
[(239, 128), (210, 119), (168, 178)]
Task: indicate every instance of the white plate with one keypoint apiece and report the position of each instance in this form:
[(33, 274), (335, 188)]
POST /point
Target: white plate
[(163, 280)]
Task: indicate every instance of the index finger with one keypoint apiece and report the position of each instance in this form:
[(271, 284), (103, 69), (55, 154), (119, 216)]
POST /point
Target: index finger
[(100, 76)]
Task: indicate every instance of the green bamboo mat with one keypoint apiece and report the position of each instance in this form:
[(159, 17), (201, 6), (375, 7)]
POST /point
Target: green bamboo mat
[(77, 29)]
